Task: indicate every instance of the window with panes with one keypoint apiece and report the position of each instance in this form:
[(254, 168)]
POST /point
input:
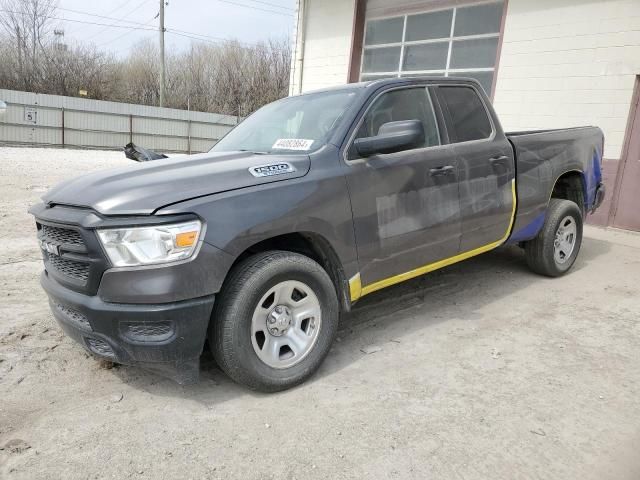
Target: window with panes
[(460, 41)]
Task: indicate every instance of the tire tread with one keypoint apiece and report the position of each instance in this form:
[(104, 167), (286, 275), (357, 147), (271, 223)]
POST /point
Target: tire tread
[(539, 251)]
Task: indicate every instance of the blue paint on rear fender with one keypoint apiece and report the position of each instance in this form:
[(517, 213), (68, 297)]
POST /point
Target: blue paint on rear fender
[(529, 231), (592, 176)]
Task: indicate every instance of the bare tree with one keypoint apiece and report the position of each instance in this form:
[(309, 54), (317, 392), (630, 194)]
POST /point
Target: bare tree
[(27, 24), (139, 75), (71, 68), (228, 77)]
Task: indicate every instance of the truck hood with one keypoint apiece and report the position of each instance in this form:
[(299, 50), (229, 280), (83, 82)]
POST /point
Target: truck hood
[(142, 188)]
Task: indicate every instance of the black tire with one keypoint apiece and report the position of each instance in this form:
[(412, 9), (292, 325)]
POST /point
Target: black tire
[(539, 252), (230, 327)]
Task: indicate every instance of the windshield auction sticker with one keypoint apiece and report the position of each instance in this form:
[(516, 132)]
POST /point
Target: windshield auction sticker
[(292, 144)]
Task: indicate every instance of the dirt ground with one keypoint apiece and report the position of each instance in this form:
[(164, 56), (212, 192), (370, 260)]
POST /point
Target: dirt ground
[(481, 370)]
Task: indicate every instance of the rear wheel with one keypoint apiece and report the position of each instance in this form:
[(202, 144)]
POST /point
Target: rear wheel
[(555, 249), (274, 320)]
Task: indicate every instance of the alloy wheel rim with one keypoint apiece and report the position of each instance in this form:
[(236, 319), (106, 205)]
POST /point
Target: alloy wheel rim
[(285, 324), (565, 240)]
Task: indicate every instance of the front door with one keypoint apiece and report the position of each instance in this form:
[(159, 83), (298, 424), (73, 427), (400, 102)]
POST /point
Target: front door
[(627, 213), (405, 205), (486, 169)]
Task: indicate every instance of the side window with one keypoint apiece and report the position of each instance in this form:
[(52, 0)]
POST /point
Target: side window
[(404, 104), (468, 115)]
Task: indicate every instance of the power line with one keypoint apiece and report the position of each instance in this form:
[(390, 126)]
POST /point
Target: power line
[(139, 26), (144, 27), (76, 21), (118, 7), (195, 36), (79, 29), (216, 41), (120, 19), (272, 4), (147, 23), (98, 16), (256, 8), (128, 33)]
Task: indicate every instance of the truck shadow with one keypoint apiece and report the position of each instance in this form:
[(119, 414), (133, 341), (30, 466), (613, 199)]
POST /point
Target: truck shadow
[(414, 306)]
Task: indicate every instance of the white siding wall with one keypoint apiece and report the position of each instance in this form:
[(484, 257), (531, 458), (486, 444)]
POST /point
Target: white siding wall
[(569, 63), (327, 44), (563, 62)]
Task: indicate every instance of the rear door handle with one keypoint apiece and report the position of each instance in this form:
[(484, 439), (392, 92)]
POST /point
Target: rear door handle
[(500, 159), (438, 171)]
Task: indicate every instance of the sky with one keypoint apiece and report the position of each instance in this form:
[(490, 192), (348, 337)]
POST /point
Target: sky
[(246, 20)]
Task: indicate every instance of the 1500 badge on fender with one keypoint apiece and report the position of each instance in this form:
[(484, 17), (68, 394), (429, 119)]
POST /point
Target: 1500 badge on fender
[(272, 169)]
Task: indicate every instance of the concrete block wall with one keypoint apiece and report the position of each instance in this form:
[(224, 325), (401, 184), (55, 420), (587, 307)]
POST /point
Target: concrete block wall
[(568, 63), (563, 63)]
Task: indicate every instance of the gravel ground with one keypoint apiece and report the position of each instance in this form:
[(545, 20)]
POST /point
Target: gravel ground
[(480, 370)]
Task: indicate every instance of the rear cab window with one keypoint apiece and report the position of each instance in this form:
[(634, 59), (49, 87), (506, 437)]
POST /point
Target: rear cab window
[(468, 117)]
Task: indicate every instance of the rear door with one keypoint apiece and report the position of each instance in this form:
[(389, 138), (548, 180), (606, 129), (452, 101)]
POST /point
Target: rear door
[(405, 205), (486, 168)]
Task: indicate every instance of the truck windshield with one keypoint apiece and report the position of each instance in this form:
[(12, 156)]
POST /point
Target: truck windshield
[(293, 124)]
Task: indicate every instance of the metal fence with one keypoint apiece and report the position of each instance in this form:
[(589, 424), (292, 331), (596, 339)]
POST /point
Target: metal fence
[(51, 120)]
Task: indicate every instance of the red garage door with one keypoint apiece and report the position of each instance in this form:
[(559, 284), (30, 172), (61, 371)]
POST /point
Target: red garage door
[(626, 212)]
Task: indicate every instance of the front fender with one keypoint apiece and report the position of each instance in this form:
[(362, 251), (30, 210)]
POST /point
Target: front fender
[(317, 203)]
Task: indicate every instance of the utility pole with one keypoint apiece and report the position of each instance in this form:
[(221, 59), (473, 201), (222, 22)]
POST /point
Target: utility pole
[(162, 69)]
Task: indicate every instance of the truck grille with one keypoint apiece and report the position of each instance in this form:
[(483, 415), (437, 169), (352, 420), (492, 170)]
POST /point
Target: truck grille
[(69, 268), (71, 255), (61, 236)]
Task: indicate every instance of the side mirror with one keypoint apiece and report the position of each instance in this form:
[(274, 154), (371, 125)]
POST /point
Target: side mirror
[(392, 137)]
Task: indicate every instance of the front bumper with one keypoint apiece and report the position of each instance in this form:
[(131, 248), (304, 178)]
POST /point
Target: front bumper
[(166, 338)]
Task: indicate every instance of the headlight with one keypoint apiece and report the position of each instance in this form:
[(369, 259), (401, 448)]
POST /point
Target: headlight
[(150, 245)]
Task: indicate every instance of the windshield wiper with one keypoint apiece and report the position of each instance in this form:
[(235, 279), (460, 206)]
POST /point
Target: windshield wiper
[(253, 151)]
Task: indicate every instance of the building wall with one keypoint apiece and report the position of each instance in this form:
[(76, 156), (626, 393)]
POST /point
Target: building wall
[(562, 63), (568, 63), (327, 44)]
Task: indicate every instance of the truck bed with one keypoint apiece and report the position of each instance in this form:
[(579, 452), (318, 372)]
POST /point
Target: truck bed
[(542, 156)]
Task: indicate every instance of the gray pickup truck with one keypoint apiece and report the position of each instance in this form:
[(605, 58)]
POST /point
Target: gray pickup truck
[(311, 203)]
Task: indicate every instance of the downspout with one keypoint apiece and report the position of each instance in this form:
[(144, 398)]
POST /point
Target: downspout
[(298, 60)]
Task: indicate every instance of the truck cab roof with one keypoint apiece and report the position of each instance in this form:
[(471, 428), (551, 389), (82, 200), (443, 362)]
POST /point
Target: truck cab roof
[(384, 82)]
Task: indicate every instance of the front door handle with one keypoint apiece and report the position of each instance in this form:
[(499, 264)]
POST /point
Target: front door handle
[(438, 171), (498, 160)]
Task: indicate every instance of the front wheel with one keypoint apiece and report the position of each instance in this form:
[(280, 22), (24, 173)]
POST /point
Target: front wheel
[(274, 320), (555, 249)]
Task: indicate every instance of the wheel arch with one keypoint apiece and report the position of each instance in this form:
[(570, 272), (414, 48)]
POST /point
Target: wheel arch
[(312, 245), (571, 185)]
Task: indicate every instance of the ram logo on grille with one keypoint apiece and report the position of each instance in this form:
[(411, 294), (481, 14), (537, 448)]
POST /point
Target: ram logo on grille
[(50, 247), (272, 169)]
